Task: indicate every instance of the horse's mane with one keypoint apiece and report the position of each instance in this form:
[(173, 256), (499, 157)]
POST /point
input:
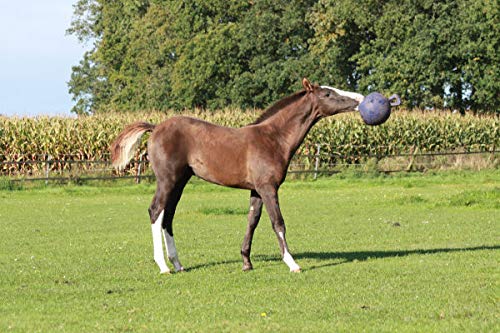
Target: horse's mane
[(269, 112)]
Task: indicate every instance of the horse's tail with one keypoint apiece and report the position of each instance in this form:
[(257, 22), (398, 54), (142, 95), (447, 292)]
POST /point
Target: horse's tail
[(126, 143)]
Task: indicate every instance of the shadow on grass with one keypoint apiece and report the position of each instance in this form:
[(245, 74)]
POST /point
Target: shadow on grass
[(346, 257), (211, 264)]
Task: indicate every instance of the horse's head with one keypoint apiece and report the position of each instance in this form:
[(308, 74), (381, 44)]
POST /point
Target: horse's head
[(329, 101)]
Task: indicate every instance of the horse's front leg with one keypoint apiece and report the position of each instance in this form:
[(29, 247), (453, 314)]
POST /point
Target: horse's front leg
[(253, 220), (269, 196)]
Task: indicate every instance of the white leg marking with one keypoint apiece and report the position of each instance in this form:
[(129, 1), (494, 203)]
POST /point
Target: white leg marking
[(158, 245), (288, 259), (353, 95), (172, 251)]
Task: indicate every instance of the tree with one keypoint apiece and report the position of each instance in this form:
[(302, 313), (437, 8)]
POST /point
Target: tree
[(207, 52), (273, 44), (160, 54), (433, 53), (246, 54), (97, 83)]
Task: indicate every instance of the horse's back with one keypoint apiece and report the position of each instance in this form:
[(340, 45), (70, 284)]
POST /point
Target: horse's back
[(190, 132)]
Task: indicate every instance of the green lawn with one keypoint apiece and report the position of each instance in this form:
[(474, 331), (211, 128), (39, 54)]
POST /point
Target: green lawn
[(416, 253)]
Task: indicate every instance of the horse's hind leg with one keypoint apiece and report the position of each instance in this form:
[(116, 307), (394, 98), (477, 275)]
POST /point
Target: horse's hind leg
[(156, 214), (168, 234), (162, 211)]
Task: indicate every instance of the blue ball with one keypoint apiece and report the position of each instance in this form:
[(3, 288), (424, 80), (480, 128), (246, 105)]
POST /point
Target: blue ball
[(375, 109)]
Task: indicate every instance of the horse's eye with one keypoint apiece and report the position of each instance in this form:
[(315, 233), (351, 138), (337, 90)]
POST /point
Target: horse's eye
[(327, 95)]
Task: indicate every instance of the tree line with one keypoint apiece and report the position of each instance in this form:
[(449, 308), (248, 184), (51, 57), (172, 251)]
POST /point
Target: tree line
[(171, 54)]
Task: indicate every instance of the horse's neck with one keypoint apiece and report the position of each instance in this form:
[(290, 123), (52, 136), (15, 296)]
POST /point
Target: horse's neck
[(289, 126)]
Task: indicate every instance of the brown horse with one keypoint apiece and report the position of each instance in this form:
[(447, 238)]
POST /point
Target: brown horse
[(253, 157)]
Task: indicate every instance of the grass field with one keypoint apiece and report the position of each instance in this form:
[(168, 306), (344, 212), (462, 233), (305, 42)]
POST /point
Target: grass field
[(407, 253)]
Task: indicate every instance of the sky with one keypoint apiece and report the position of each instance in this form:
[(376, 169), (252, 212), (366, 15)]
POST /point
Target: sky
[(36, 57)]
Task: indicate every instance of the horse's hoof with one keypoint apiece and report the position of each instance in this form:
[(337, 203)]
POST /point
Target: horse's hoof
[(165, 273), (297, 270), (182, 270), (247, 268)]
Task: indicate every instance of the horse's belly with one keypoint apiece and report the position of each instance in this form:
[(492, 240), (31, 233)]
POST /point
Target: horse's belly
[(221, 171)]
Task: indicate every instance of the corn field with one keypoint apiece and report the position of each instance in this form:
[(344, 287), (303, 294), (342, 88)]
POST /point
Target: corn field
[(27, 143)]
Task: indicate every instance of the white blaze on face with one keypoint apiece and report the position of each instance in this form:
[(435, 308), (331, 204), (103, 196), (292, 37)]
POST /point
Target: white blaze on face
[(353, 95), (287, 257), (158, 244)]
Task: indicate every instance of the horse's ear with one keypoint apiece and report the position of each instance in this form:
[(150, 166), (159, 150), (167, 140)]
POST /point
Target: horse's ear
[(307, 85)]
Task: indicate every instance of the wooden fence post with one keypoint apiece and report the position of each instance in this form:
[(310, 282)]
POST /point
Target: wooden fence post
[(413, 152), (316, 163), (47, 168), (138, 177)]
